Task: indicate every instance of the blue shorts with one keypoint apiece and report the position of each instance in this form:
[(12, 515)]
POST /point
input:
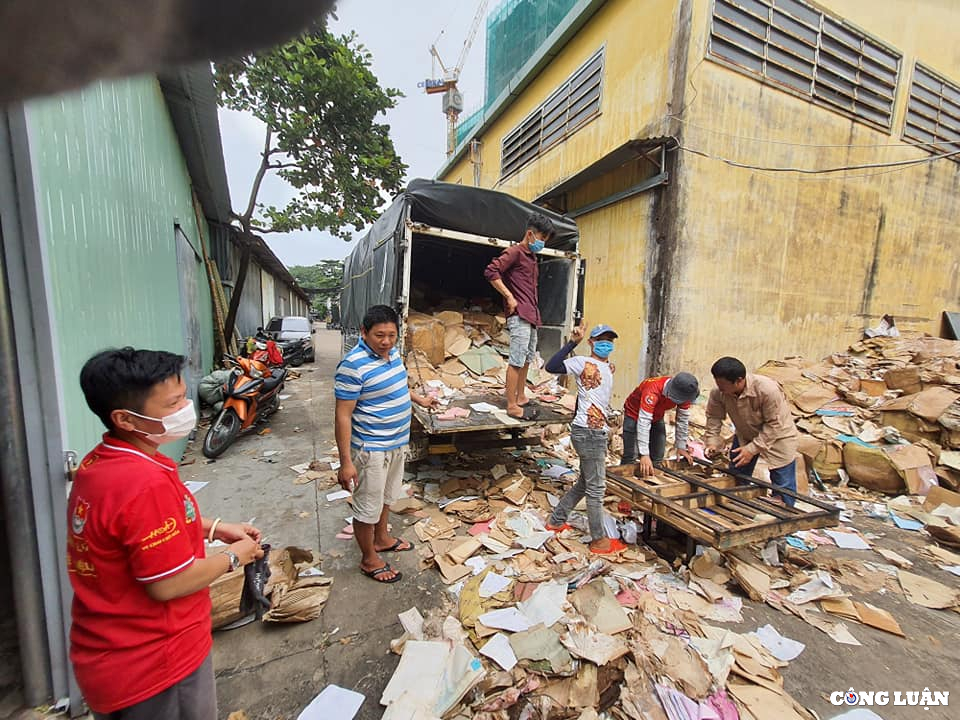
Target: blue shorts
[(523, 341)]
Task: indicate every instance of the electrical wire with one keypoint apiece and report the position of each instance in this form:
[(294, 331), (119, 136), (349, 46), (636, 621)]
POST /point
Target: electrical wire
[(818, 171), (811, 145)]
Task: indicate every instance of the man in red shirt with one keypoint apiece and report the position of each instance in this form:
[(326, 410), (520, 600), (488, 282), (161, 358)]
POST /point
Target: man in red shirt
[(644, 432), (140, 638), (514, 274)]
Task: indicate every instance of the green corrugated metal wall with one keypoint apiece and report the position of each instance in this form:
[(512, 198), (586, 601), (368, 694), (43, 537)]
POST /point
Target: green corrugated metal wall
[(111, 183)]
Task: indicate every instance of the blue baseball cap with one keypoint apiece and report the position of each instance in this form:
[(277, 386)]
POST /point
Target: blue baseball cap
[(601, 330)]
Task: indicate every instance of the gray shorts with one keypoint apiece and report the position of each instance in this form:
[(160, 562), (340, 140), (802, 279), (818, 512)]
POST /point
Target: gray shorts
[(523, 341), (193, 698), (379, 482)]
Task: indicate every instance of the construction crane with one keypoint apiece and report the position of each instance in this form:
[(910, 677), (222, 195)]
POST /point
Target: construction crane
[(447, 84)]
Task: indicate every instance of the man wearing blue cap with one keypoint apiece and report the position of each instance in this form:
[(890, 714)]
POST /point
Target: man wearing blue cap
[(589, 430)]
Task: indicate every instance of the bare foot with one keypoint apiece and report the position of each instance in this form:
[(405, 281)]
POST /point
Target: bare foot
[(515, 411)]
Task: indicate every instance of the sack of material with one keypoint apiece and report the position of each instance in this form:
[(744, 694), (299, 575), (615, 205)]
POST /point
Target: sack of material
[(426, 334)]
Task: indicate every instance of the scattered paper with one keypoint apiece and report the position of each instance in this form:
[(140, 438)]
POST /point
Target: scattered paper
[(509, 619), (926, 592), (334, 703), (820, 586), (338, 495), (499, 650), (556, 471), (492, 584), (955, 569), (418, 674), (780, 647), (498, 471), (848, 540), (195, 486), (412, 622), (482, 407), (545, 605), (841, 634)]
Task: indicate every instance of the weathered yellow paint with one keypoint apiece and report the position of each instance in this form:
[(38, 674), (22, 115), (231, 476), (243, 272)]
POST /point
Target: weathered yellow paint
[(734, 261), (775, 264), (634, 35)]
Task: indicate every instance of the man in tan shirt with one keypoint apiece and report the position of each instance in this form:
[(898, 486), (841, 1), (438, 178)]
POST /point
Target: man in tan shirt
[(762, 422)]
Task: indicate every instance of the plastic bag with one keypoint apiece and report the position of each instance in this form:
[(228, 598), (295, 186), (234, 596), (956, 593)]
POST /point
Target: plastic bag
[(255, 577)]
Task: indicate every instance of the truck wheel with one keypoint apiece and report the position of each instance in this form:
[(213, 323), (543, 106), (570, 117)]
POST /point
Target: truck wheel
[(222, 433)]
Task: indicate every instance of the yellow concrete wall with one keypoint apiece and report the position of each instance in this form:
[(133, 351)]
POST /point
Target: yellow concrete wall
[(615, 248), (770, 264), (637, 36)]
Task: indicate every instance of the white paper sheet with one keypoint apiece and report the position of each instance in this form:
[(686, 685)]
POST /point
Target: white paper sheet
[(545, 605), (848, 541), (334, 703), (493, 583), (782, 648), (509, 619), (499, 650), (338, 495), (195, 486), (482, 407)]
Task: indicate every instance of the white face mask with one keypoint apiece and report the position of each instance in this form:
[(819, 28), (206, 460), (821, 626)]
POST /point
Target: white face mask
[(176, 425)]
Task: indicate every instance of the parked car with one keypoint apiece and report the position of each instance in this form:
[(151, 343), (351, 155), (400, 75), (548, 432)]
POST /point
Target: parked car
[(294, 335)]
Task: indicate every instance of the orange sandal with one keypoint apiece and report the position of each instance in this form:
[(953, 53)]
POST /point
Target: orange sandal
[(558, 528), (616, 546)]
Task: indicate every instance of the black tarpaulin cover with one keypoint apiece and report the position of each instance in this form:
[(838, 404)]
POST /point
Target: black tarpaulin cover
[(370, 273)]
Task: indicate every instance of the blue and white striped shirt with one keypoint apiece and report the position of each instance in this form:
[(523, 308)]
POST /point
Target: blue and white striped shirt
[(381, 419)]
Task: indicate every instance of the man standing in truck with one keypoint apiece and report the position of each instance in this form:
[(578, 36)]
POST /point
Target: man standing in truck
[(514, 274)]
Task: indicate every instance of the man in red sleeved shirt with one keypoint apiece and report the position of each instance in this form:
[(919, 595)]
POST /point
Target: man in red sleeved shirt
[(644, 432), (140, 638), (514, 275)]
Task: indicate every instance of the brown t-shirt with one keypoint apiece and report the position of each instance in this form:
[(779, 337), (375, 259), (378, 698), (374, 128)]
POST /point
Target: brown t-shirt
[(517, 267)]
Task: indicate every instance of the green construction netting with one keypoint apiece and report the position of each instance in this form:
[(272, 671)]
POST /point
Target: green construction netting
[(515, 30)]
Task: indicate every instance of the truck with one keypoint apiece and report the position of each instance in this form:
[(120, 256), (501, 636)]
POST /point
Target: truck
[(436, 239)]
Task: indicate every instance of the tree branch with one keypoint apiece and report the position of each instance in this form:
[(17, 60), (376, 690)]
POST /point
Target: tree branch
[(278, 166), (258, 180)]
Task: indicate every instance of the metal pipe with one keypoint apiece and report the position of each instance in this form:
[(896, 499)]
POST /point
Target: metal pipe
[(19, 520)]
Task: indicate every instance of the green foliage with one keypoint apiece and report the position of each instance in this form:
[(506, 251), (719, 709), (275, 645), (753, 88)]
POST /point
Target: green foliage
[(325, 277), (321, 104)]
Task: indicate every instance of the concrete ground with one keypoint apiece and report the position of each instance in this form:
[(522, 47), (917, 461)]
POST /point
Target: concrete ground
[(272, 672)]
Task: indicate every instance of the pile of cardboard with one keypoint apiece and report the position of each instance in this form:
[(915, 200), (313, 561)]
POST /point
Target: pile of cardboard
[(884, 415), (456, 354), (534, 625)]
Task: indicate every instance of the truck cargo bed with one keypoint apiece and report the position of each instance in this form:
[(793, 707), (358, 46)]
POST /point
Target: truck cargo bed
[(499, 420)]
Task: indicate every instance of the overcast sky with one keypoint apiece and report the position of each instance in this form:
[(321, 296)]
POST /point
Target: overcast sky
[(398, 35)]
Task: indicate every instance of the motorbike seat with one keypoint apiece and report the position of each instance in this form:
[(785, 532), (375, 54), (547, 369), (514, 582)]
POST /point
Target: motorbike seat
[(275, 379)]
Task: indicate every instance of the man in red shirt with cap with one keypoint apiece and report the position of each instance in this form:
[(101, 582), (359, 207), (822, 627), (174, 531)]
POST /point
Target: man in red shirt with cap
[(644, 432), (140, 638)]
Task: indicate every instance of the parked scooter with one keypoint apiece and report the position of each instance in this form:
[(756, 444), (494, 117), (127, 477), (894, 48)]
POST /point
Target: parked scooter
[(251, 394), (296, 351)]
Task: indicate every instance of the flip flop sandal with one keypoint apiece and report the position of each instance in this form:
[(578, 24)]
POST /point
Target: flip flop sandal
[(558, 528), (396, 546), (375, 574)]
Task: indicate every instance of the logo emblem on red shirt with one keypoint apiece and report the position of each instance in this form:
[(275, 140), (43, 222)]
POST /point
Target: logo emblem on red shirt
[(79, 518), (189, 509)]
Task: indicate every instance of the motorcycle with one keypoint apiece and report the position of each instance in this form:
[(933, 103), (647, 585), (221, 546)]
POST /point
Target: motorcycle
[(251, 394), (297, 351)]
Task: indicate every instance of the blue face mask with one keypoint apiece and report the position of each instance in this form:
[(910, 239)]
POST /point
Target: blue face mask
[(537, 245), (602, 348)]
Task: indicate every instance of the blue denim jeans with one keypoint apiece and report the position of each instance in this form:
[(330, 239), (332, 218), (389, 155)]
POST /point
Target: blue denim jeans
[(591, 446), (784, 477), (658, 441)]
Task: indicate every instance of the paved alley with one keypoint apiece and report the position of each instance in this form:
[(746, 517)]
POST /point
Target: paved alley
[(272, 671)]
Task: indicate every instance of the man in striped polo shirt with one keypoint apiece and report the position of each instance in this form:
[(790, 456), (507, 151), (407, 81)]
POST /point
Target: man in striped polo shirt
[(372, 427)]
